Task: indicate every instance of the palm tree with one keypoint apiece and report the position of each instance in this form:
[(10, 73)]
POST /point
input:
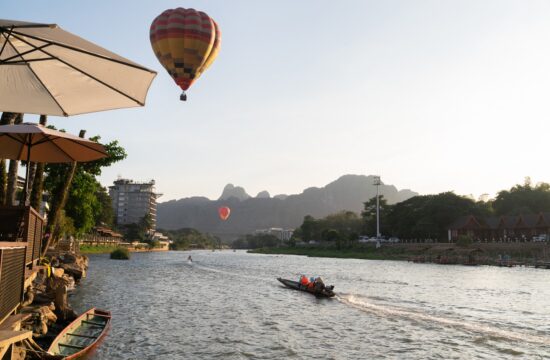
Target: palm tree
[(12, 173), (37, 184), (6, 119), (58, 201)]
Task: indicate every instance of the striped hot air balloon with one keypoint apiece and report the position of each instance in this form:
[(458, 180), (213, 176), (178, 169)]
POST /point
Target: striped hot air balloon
[(186, 42)]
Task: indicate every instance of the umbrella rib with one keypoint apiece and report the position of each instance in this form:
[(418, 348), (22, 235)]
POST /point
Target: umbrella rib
[(30, 26), (88, 146), (48, 90), (83, 72), (7, 37), (22, 147), (61, 149), (52, 138), (11, 137), (25, 53), (84, 51), (36, 76)]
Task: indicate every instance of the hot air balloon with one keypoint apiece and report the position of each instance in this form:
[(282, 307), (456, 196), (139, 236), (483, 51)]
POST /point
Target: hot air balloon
[(186, 42), (224, 212)]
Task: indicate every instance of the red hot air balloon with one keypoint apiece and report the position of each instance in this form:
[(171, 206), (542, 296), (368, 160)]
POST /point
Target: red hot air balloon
[(224, 212)]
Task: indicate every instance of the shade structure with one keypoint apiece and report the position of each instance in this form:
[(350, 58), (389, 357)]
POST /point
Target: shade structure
[(36, 143), (47, 70)]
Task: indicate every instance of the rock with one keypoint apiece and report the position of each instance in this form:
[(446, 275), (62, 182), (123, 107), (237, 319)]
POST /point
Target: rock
[(18, 353), (58, 272), (74, 270), (69, 258), (28, 297), (48, 314)]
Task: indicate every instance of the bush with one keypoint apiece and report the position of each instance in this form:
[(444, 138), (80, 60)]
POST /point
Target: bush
[(120, 254), (463, 241)]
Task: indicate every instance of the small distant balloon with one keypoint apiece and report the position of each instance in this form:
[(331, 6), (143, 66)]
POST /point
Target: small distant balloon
[(224, 212)]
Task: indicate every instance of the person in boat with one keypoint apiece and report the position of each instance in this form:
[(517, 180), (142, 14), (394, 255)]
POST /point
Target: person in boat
[(304, 281), (319, 284), (189, 258)]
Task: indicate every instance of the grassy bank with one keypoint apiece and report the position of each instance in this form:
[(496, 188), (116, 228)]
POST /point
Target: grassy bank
[(97, 249), (370, 253), (481, 253)]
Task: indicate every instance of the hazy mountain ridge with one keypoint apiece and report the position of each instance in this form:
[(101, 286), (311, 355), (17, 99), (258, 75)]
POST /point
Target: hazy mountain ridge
[(349, 192)]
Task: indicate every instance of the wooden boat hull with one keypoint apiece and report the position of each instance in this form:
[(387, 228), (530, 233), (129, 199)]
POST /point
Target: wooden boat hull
[(297, 286), (81, 337)]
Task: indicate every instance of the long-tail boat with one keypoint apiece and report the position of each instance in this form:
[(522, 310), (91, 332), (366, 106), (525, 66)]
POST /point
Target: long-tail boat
[(325, 291), (83, 335)]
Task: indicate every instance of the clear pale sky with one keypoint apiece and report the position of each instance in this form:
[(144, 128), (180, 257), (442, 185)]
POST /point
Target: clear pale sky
[(432, 95)]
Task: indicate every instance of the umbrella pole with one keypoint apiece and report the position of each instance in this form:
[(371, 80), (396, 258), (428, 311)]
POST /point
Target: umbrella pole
[(27, 173)]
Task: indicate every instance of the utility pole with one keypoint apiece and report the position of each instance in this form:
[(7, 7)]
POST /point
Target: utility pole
[(377, 183)]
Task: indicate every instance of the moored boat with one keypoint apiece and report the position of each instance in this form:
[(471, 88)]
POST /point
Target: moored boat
[(324, 292), (83, 335)]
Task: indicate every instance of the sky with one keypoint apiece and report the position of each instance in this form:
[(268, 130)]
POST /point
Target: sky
[(431, 95)]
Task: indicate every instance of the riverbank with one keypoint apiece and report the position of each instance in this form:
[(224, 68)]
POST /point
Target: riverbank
[(103, 249), (503, 254)]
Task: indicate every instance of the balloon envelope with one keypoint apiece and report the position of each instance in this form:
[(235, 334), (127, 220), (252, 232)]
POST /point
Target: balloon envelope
[(186, 42), (224, 212)]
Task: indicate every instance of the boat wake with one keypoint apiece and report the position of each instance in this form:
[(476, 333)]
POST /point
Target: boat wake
[(493, 332)]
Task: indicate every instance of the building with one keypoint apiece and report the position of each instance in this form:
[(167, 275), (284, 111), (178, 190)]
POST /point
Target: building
[(133, 200), (504, 228), (279, 233)]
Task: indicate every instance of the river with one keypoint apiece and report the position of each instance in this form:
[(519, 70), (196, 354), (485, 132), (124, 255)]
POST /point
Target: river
[(229, 305)]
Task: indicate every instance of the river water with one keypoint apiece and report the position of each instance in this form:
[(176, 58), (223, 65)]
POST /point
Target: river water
[(229, 305)]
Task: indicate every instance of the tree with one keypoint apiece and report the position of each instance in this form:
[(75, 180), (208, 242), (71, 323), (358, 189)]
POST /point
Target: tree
[(307, 228), (369, 215), (429, 216), (59, 199), (105, 215), (6, 119), (83, 205), (12, 172), (38, 179), (523, 199), (88, 201)]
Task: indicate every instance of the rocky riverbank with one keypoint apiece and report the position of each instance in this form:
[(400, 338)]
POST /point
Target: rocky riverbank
[(45, 309)]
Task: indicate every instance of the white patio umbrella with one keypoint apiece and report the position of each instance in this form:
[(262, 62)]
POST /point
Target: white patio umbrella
[(48, 71), (36, 143)]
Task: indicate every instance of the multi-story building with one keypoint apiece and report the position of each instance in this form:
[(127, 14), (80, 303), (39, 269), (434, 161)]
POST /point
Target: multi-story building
[(133, 200), (281, 234)]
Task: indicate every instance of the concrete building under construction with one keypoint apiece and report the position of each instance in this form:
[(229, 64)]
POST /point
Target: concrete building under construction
[(133, 200)]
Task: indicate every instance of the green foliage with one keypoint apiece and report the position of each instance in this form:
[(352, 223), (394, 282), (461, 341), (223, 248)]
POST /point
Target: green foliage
[(120, 254), (133, 232), (256, 241), (83, 206), (308, 228), (154, 244), (100, 249), (184, 238), (523, 199), (369, 215), (429, 216), (464, 241), (341, 227), (88, 203)]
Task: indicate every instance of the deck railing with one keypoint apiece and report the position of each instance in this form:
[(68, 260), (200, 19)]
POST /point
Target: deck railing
[(22, 224), (12, 278)]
